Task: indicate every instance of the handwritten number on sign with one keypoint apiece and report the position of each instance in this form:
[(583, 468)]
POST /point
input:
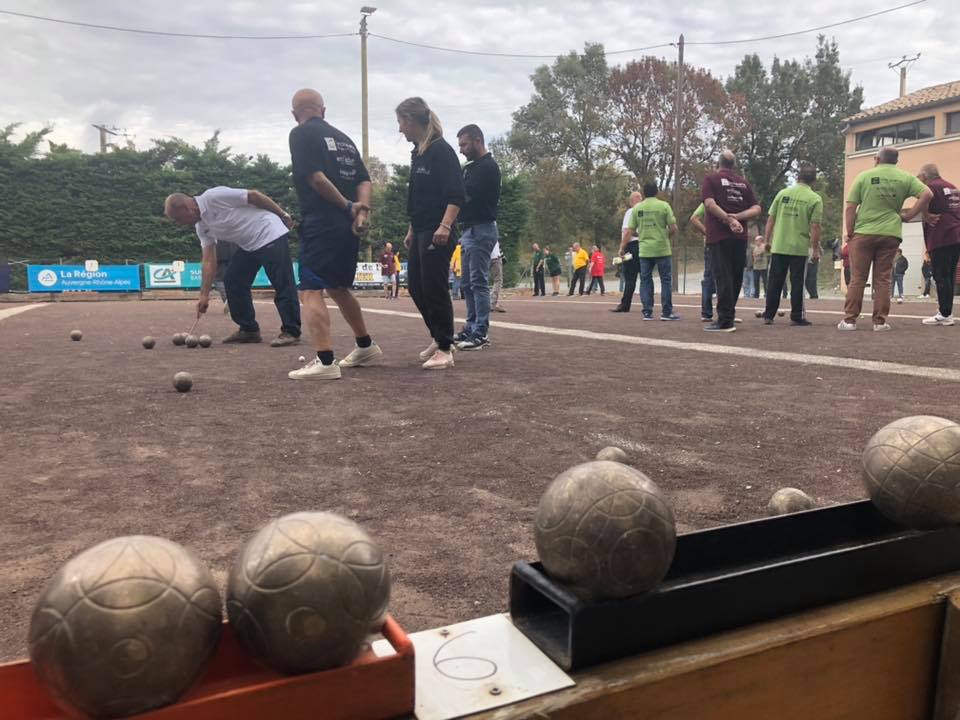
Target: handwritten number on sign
[(481, 668)]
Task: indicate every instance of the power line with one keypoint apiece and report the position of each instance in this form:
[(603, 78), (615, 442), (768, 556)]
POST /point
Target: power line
[(500, 54), (140, 31)]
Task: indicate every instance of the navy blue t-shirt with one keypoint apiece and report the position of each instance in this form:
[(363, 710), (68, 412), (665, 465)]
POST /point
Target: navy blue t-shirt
[(317, 146)]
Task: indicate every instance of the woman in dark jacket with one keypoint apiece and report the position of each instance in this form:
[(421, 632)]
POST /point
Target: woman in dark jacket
[(433, 203)]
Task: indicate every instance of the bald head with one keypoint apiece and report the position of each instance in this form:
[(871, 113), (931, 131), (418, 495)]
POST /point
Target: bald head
[(929, 172), (727, 159), (635, 197), (182, 209), (888, 156), (306, 104)]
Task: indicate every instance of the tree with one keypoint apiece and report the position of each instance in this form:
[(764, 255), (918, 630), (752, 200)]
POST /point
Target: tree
[(388, 218)]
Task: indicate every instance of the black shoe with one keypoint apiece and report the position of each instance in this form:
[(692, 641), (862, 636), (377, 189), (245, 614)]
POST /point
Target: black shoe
[(474, 343), (768, 321), (243, 336), (803, 322), (619, 309), (648, 317), (461, 336), (717, 327)]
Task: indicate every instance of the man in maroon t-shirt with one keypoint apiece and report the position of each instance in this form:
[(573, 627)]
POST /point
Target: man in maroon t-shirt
[(387, 268), (729, 203), (941, 234)]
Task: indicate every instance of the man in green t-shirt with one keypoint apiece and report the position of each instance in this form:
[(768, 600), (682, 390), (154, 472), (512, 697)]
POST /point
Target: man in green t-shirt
[(872, 220), (552, 264), (793, 231), (654, 224), (536, 265)]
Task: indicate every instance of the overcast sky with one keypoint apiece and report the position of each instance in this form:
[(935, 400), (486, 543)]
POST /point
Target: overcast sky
[(152, 86)]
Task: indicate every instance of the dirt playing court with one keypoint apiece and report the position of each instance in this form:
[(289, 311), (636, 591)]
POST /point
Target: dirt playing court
[(444, 468)]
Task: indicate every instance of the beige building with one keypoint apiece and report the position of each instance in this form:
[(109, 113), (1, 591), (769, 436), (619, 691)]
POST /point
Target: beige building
[(925, 127)]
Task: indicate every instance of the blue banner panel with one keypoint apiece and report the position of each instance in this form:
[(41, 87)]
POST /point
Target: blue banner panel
[(73, 278), (161, 276), (4, 277)]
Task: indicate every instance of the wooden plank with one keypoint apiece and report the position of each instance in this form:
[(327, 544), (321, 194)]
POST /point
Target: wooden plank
[(876, 658), (948, 683)]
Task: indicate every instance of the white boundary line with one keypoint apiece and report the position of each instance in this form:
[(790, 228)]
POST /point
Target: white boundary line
[(877, 366), (10, 312)]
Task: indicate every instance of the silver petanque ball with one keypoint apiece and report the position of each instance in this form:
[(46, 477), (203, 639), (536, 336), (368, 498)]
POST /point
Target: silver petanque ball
[(306, 590), (179, 338), (613, 454), (911, 469), (605, 529), (148, 342), (76, 335), (125, 627), (205, 341), (191, 341), (789, 500)]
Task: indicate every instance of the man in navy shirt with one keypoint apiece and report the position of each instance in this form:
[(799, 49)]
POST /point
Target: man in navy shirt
[(334, 190)]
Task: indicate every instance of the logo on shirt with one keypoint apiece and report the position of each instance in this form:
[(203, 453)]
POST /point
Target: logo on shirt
[(874, 181), (724, 182), (331, 144), (785, 200)]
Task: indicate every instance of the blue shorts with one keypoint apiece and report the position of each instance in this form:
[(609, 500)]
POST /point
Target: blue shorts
[(328, 253)]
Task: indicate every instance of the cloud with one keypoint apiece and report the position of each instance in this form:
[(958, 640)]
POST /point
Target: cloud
[(159, 86)]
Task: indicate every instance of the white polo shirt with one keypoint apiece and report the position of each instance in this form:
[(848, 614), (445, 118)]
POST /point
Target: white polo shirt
[(226, 216), (626, 219)]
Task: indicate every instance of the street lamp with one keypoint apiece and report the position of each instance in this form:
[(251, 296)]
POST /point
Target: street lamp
[(365, 12)]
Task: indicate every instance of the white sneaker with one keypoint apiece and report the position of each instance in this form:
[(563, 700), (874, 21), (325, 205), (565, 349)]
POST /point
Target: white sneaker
[(362, 356), (316, 370), (938, 319), (844, 325), (899, 301), (440, 361), (882, 328), (430, 351)]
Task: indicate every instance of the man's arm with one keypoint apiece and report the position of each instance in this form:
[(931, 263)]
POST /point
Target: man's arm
[(625, 239), (672, 230), (918, 207), (698, 224), (768, 230), (748, 214), (209, 268), (258, 199), (849, 219), (816, 233)]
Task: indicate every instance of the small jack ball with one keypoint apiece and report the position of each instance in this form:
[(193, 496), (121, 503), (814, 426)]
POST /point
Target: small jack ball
[(302, 358), (205, 341), (76, 335), (780, 313), (179, 338), (149, 342), (183, 381), (191, 341)]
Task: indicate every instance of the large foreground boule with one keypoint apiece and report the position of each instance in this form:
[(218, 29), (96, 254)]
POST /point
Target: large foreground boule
[(911, 470), (183, 381), (125, 627), (789, 500), (306, 590), (606, 530)]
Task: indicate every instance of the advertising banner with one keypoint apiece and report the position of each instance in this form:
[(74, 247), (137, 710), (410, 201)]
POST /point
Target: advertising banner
[(159, 276), (368, 274), (73, 278)]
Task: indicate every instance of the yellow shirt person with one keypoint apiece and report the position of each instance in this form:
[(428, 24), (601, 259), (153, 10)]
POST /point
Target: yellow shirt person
[(580, 259), (455, 264)]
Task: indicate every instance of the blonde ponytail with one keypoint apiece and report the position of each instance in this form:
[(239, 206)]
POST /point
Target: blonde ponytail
[(415, 110)]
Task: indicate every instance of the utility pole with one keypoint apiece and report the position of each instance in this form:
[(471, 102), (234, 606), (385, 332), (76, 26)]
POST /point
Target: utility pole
[(104, 131), (677, 115), (365, 12), (903, 64)]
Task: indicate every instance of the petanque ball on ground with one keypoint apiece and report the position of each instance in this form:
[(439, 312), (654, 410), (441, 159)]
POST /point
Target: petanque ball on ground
[(191, 341), (125, 627), (183, 381), (606, 530), (149, 342), (179, 338), (306, 590), (789, 500), (302, 358), (614, 454), (780, 313), (911, 469), (76, 335), (205, 341)]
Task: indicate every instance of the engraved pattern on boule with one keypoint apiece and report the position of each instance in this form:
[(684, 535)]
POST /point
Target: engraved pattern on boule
[(306, 590), (605, 529), (125, 627), (911, 470)]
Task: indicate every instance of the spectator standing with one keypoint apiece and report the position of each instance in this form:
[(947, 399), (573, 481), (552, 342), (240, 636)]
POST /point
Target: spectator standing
[(873, 224), (434, 199), (748, 289), (729, 201), (457, 269), (941, 235), (597, 268), (580, 261), (536, 270), (388, 267), (654, 223), (629, 267), (900, 266), (761, 262), (552, 264)]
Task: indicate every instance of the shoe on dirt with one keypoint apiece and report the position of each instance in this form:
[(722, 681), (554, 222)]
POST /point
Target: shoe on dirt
[(284, 340), (938, 319), (844, 325), (430, 351), (362, 356), (316, 370), (474, 343), (439, 361), (243, 336)]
